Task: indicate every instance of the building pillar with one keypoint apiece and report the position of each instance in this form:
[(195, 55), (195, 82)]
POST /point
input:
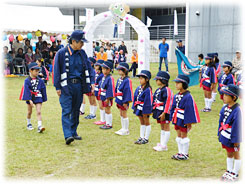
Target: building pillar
[(76, 18)]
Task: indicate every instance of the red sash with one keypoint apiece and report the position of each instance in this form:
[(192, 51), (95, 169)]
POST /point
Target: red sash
[(157, 105), (203, 79), (175, 115), (224, 126)]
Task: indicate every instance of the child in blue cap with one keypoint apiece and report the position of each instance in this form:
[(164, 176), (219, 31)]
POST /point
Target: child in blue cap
[(162, 103), (226, 78), (229, 131), (124, 96), (142, 105), (183, 114), (107, 93), (34, 93)]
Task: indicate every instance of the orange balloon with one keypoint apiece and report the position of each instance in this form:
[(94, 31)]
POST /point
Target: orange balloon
[(20, 37)]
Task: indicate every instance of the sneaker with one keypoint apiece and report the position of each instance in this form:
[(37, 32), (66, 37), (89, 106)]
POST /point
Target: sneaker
[(231, 177), (106, 127), (125, 132), (175, 157), (119, 132), (99, 123), (81, 113), (183, 157), (224, 176), (40, 129), (204, 110), (88, 117), (145, 141), (139, 141), (160, 147), (29, 127)]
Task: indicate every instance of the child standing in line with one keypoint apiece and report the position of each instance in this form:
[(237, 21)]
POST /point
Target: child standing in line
[(162, 102), (91, 96), (34, 93), (226, 78), (183, 113), (124, 95), (107, 93), (142, 106), (98, 77), (217, 73), (208, 80), (229, 131), (43, 72)]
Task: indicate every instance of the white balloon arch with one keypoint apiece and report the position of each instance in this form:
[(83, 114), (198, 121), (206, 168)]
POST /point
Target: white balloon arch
[(138, 25)]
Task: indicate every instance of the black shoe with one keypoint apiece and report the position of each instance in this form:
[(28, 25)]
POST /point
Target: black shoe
[(69, 140), (106, 127), (77, 137), (139, 141), (144, 141)]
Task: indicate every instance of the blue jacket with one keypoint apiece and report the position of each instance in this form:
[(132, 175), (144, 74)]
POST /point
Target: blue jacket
[(61, 71)]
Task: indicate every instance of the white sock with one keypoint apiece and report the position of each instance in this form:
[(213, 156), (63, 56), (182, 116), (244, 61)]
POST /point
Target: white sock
[(147, 132), (237, 166), (82, 108), (95, 109), (28, 121), (178, 139), (206, 102), (166, 138), (185, 145), (213, 96), (229, 162), (91, 109), (39, 123), (108, 119), (162, 137), (210, 101), (126, 123), (102, 115), (142, 131)]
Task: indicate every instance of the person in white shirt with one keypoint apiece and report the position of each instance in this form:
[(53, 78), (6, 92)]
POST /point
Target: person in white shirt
[(109, 53)]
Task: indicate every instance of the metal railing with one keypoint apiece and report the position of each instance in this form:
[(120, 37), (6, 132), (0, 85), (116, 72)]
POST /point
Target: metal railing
[(156, 32)]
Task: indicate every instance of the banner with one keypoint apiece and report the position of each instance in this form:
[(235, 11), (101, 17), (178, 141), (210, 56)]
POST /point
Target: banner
[(121, 27), (148, 21), (175, 23), (89, 14), (187, 67)]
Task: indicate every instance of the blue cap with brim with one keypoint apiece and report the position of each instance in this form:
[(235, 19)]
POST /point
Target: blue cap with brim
[(227, 63), (145, 73), (78, 35), (123, 65), (231, 90), (162, 75), (182, 78), (99, 62), (107, 64), (33, 66)]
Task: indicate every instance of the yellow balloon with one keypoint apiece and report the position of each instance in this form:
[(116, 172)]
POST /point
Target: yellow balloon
[(64, 37), (20, 37), (38, 33)]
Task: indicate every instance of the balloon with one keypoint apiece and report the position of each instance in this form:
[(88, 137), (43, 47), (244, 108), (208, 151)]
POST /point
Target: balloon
[(52, 39), (38, 33), (29, 36), (20, 37), (64, 37), (11, 38), (59, 37), (5, 37)]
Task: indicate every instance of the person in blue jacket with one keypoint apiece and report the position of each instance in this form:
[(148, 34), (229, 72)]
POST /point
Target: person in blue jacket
[(229, 131), (72, 78)]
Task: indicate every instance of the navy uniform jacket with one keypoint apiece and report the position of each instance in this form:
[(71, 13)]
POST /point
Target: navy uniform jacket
[(208, 76), (182, 49), (229, 130), (33, 91), (142, 103), (98, 78), (224, 80), (162, 102), (107, 88), (43, 71), (61, 70), (122, 58), (124, 91), (184, 110)]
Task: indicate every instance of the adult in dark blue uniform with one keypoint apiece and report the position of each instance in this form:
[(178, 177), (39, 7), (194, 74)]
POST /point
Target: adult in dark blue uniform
[(73, 76)]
